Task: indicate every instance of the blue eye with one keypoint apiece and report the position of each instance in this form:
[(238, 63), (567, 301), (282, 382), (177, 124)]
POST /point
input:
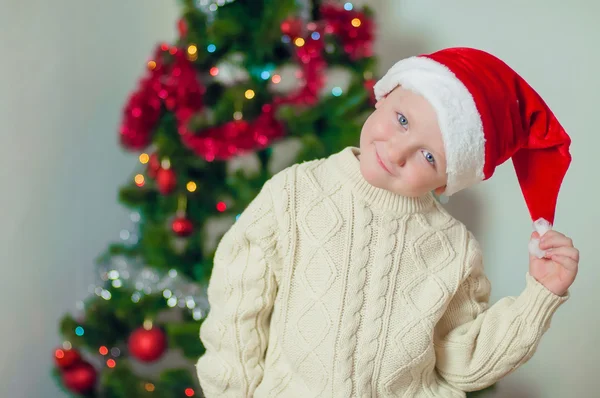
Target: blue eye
[(402, 120), (429, 157)]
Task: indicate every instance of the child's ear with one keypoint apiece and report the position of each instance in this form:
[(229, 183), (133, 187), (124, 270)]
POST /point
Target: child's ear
[(440, 190)]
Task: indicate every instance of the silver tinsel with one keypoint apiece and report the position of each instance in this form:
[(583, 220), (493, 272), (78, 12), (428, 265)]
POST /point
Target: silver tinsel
[(209, 7), (132, 273)]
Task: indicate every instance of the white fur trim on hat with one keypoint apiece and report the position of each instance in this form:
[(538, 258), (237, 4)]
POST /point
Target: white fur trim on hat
[(458, 118)]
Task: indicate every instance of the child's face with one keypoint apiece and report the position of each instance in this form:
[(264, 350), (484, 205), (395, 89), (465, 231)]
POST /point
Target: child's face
[(401, 146)]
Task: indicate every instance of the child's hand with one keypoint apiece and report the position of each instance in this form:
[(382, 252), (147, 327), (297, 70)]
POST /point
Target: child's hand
[(557, 270)]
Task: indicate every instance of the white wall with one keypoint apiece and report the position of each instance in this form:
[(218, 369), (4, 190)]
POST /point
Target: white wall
[(65, 72), (553, 44), (66, 69)]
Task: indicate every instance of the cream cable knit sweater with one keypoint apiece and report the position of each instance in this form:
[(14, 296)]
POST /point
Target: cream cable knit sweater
[(329, 287)]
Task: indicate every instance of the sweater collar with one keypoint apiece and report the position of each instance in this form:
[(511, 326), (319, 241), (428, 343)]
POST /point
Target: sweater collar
[(349, 165)]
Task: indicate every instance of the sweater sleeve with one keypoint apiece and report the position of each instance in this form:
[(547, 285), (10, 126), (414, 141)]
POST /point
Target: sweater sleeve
[(477, 344), (241, 293)]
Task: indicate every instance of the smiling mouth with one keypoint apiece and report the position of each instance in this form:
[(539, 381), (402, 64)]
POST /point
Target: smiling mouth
[(381, 163)]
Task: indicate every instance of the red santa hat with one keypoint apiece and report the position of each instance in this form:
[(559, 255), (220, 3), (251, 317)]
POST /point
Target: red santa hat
[(488, 114)]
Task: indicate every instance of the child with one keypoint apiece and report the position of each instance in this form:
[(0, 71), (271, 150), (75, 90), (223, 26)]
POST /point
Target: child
[(345, 278)]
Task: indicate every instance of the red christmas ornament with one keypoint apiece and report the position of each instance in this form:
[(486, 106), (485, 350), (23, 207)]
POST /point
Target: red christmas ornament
[(182, 226), (153, 165), (292, 27), (368, 85), (166, 181), (182, 27), (66, 358), (147, 345), (81, 378)]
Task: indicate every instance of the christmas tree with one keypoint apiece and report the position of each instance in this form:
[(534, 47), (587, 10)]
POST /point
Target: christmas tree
[(248, 88)]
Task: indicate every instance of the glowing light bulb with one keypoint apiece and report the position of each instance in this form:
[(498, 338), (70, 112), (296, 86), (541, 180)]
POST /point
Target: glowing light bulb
[(144, 158)]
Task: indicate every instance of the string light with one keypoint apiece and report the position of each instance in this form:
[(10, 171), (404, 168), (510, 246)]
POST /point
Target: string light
[(139, 180), (337, 91), (79, 331), (276, 79), (192, 52), (151, 65), (192, 49), (149, 387), (214, 71), (265, 75), (189, 392), (147, 324), (249, 94), (67, 345), (164, 46), (59, 354), (238, 115), (299, 42), (315, 36), (144, 158), (348, 6), (356, 22), (221, 206), (211, 48), (111, 363), (135, 297), (173, 50), (103, 350), (191, 186)]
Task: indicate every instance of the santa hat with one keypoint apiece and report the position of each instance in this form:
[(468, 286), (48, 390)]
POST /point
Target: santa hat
[(488, 114)]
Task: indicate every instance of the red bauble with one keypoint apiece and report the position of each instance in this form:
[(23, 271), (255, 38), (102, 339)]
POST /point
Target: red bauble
[(182, 226), (166, 181), (147, 345), (80, 378), (292, 27), (66, 358), (369, 84), (182, 27), (153, 165)]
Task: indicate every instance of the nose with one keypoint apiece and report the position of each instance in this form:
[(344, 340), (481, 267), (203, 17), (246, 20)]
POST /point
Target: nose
[(397, 153)]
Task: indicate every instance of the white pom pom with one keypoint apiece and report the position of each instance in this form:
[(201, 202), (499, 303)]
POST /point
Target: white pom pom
[(534, 248), (541, 226)]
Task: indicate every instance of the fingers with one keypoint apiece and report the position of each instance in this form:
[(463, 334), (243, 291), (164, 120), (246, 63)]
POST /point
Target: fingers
[(565, 251), (566, 262), (553, 239)]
